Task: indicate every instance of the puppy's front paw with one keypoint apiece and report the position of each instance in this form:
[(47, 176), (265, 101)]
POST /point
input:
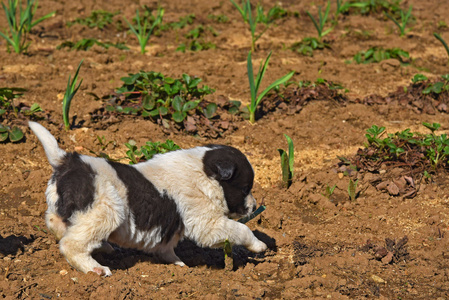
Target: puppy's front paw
[(257, 247), (102, 271)]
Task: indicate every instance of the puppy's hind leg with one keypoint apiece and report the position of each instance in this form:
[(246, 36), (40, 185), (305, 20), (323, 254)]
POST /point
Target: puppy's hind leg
[(90, 229), (166, 252)]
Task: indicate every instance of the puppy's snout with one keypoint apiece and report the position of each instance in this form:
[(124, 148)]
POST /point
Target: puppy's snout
[(251, 203)]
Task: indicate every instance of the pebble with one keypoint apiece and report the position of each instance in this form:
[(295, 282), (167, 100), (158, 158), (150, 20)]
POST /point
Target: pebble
[(377, 279)]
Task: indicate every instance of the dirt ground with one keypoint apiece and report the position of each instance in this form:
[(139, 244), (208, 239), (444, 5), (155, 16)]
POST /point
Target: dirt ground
[(318, 248)]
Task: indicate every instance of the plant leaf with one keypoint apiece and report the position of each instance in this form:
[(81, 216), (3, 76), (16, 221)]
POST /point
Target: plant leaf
[(15, 134)]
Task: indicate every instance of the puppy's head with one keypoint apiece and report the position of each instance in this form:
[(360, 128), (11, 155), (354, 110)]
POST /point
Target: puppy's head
[(232, 170)]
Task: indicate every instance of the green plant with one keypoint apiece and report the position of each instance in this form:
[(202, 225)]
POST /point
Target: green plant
[(365, 7), (308, 45), (287, 162), (438, 87), (155, 95), (260, 17), (14, 134), (68, 96), (218, 18), (329, 191), (404, 20), (197, 42), (352, 189), (433, 147), (146, 152), (86, 44), (255, 84), (375, 55), (253, 215), (144, 29), (438, 37), (319, 25), (418, 78), (97, 18), (20, 24)]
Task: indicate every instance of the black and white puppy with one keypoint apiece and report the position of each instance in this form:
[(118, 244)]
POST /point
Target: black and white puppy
[(150, 206)]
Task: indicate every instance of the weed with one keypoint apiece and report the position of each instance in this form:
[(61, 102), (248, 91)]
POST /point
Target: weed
[(14, 134), (21, 24), (319, 25), (155, 95), (287, 162), (146, 152), (218, 18), (144, 28), (68, 96), (308, 45), (329, 191), (438, 87), (404, 20), (433, 147), (86, 44), (197, 42), (418, 78), (97, 18), (273, 14), (438, 37), (365, 7), (375, 55), (352, 189), (254, 85)]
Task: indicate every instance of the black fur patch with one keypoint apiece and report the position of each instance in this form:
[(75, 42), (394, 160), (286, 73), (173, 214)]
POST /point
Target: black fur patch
[(234, 173), (74, 185), (149, 207)]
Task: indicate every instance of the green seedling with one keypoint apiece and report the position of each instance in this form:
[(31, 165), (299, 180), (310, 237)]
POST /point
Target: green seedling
[(329, 191), (352, 189), (255, 84), (438, 87), (257, 212), (308, 45), (319, 25), (86, 44), (375, 55), (20, 23), (97, 19), (68, 96), (146, 152), (438, 37), (375, 6), (418, 78), (287, 162), (218, 18), (434, 147), (197, 42), (144, 29), (273, 14), (405, 17), (156, 96), (14, 134)]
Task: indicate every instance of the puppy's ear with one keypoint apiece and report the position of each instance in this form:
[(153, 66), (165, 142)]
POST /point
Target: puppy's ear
[(225, 170), (221, 170)]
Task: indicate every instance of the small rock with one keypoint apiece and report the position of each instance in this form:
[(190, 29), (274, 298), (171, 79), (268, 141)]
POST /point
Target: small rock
[(377, 279), (63, 272)]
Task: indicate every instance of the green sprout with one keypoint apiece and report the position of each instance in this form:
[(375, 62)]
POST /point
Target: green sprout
[(68, 96), (143, 32), (254, 85), (21, 24), (287, 162), (14, 134), (438, 37), (404, 20), (329, 191), (146, 152), (319, 25), (352, 187)]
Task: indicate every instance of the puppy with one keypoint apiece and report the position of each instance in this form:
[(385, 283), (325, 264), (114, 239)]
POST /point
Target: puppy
[(150, 206)]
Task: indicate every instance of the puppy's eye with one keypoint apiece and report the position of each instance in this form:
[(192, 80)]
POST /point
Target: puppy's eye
[(246, 190)]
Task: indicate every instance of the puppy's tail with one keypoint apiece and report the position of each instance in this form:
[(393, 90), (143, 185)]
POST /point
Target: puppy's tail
[(52, 150)]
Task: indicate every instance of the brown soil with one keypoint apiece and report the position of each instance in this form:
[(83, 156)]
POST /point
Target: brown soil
[(379, 245)]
